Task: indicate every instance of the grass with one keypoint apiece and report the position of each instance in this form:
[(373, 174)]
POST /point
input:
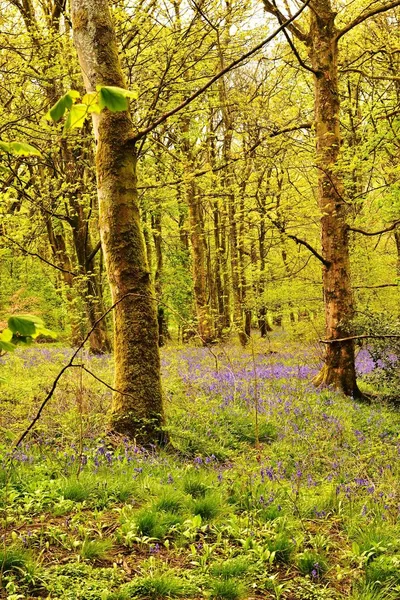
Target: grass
[(156, 587), (95, 549), (311, 514), (227, 589)]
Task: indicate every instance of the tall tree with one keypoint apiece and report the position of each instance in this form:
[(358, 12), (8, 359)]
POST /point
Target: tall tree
[(137, 409), (322, 42)]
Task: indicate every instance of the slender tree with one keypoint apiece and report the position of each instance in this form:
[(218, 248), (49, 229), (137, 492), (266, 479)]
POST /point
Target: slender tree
[(137, 406)]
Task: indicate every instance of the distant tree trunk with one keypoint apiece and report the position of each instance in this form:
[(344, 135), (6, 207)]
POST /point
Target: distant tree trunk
[(199, 248), (397, 240), (262, 311), (156, 226), (339, 361), (61, 259), (137, 406), (89, 289)]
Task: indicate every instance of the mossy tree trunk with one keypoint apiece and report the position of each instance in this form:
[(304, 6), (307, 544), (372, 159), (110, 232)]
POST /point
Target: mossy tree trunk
[(137, 406), (339, 363)]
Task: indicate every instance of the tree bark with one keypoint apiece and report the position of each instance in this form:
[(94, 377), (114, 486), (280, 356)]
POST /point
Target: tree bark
[(339, 362), (137, 406)]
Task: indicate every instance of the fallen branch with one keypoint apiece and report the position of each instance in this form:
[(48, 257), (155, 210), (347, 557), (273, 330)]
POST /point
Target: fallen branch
[(359, 337)]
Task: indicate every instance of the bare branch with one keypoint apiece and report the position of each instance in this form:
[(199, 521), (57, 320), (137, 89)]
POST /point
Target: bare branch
[(371, 233), (210, 82), (69, 365), (379, 77), (292, 46), (313, 251), (295, 29), (93, 253), (374, 287), (273, 134), (364, 16), (29, 253), (359, 337)]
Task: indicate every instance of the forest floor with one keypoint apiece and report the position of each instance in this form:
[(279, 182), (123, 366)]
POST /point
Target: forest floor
[(310, 512)]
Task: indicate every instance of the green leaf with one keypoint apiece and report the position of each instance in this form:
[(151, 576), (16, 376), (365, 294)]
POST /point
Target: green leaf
[(64, 103), (76, 116), (6, 346), (22, 326), (19, 149), (47, 332), (6, 335), (114, 98)]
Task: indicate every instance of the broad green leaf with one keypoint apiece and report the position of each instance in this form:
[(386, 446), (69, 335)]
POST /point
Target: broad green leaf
[(6, 346), (22, 326), (115, 98), (6, 335), (89, 98), (94, 108), (47, 332), (76, 116), (64, 103), (34, 318), (19, 149)]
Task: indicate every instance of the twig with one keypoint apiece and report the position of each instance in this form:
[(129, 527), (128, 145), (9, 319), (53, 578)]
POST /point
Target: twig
[(218, 76), (69, 365)]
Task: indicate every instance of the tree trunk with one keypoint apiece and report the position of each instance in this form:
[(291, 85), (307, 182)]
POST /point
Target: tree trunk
[(137, 406), (397, 239), (339, 367), (199, 249), (62, 260)]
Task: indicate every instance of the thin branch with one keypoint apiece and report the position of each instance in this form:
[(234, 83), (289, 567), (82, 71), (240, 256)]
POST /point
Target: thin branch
[(93, 253), (373, 287), (371, 233), (379, 77), (313, 251), (293, 47), (107, 385), (218, 76), (363, 17), (28, 252), (69, 365), (359, 337), (295, 29), (273, 134)]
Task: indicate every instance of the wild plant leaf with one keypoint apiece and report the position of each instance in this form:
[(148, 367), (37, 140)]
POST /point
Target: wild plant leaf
[(114, 98), (76, 116), (64, 103), (19, 149), (22, 326), (6, 346)]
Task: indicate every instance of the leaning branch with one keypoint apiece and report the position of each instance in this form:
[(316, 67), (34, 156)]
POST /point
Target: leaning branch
[(359, 337), (271, 8), (371, 233), (313, 251), (140, 134), (36, 255), (69, 365), (367, 15)]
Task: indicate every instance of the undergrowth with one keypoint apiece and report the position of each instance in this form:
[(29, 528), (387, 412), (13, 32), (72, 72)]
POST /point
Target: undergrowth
[(272, 490)]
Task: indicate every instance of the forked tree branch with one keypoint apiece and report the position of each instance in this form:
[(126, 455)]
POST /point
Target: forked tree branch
[(364, 16), (140, 134), (271, 8)]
